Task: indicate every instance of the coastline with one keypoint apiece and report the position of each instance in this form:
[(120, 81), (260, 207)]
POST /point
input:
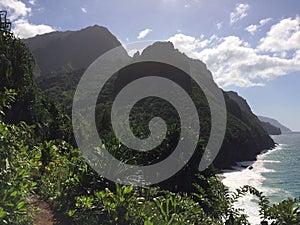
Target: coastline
[(241, 174), (244, 164)]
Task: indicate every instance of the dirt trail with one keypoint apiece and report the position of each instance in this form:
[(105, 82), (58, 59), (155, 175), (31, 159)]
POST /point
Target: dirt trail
[(43, 215)]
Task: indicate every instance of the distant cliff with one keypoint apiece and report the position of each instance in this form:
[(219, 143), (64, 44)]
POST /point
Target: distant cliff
[(245, 137), (275, 123), (272, 130)]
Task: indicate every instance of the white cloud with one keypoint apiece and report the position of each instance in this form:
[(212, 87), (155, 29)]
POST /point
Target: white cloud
[(83, 10), (283, 36), (188, 44), (264, 21), (235, 62), (32, 2), (219, 25), (19, 13), (24, 29), (239, 13), (253, 28), (144, 33), (15, 8)]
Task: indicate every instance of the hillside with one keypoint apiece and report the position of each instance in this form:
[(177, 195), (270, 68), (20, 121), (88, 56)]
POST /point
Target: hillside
[(245, 137), (46, 180), (59, 51)]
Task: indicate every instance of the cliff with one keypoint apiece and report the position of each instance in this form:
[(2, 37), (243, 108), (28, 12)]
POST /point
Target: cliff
[(275, 123), (245, 137), (271, 130)]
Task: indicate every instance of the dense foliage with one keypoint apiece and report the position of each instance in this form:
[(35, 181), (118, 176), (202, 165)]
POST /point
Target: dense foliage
[(245, 137), (37, 157)]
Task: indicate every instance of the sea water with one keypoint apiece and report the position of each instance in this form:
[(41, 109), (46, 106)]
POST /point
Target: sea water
[(275, 173)]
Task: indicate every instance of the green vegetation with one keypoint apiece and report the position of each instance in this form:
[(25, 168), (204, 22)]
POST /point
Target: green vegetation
[(38, 157)]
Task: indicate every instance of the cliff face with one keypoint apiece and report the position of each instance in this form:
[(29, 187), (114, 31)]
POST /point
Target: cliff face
[(275, 123), (271, 130), (245, 137)]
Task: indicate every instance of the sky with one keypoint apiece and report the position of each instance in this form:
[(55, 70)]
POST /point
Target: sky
[(252, 47)]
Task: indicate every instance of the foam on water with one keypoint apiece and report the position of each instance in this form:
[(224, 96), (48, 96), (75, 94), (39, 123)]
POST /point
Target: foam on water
[(241, 176)]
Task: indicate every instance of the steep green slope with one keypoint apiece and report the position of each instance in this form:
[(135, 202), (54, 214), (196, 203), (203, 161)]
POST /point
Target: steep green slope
[(31, 165), (245, 137), (71, 49), (29, 106)]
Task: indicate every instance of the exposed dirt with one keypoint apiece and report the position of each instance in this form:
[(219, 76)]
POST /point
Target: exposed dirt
[(43, 214)]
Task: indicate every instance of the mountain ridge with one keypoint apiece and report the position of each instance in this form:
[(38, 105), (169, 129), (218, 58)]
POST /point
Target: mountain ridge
[(275, 123), (244, 139), (61, 50)]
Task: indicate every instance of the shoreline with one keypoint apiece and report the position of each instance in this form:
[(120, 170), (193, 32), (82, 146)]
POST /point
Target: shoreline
[(240, 174), (246, 163)]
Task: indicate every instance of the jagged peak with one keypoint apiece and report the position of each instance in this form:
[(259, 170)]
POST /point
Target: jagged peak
[(95, 27), (159, 47)]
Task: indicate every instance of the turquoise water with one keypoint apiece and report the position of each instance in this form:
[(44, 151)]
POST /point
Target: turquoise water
[(275, 173), (285, 166)]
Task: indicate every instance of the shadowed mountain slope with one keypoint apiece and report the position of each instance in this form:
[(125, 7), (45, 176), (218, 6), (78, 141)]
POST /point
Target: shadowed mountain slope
[(63, 57)]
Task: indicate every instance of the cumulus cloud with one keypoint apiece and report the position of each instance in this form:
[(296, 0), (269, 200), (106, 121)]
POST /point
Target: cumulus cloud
[(253, 28), (15, 8), (24, 29), (19, 14), (83, 10), (144, 33), (283, 36), (239, 13), (188, 44), (234, 61)]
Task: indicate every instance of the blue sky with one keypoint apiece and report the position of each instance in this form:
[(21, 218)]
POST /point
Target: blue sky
[(252, 47)]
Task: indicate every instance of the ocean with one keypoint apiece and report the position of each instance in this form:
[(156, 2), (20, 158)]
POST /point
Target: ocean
[(275, 173)]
